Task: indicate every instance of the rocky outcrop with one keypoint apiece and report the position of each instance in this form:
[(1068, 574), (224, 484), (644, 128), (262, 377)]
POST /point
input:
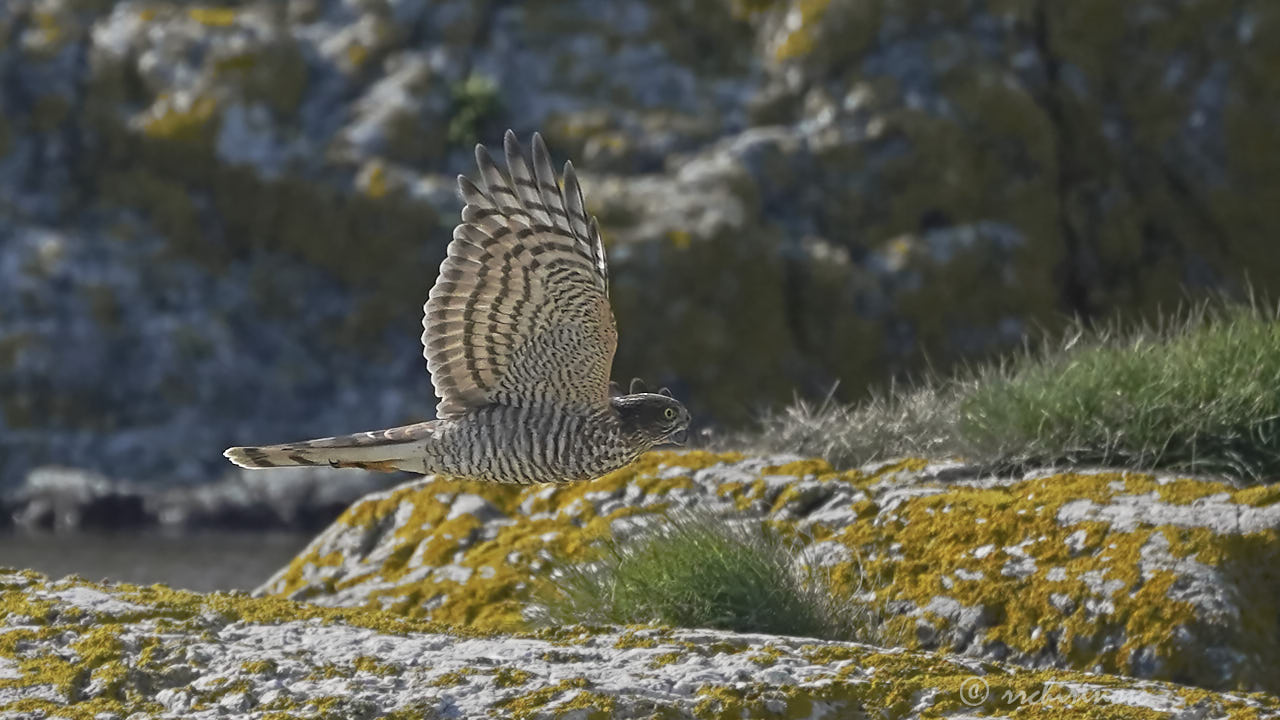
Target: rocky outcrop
[(296, 499), (75, 649), (1148, 576), (220, 220)]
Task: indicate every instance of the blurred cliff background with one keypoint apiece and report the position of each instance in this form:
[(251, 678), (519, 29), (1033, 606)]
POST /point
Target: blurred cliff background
[(218, 223)]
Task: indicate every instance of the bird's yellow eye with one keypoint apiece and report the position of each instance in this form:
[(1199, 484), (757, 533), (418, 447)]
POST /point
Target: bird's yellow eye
[(670, 413)]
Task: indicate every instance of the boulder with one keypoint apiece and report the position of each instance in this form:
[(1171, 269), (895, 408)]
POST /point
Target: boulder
[(71, 648), (1144, 575), (54, 498), (295, 499)]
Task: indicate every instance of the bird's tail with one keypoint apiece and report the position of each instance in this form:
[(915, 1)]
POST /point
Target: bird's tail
[(386, 450)]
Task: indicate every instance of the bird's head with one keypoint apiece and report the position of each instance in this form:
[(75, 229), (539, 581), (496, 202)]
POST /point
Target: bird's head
[(652, 418)]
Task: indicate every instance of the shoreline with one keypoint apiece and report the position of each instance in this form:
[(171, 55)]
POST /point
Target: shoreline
[(304, 500)]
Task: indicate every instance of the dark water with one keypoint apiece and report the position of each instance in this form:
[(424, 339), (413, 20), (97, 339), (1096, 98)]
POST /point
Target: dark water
[(193, 561)]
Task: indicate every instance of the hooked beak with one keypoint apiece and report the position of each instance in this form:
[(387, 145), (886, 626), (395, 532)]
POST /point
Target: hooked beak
[(679, 437)]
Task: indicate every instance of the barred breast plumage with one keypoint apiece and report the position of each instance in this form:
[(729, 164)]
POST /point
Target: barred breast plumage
[(530, 444), (519, 339)]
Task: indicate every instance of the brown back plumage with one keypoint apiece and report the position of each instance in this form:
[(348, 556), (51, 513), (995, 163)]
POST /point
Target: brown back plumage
[(520, 313)]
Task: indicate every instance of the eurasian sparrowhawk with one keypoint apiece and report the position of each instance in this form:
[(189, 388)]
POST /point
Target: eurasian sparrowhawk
[(519, 338)]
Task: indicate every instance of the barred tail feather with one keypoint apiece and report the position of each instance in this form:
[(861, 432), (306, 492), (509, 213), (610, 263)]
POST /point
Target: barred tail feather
[(398, 448)]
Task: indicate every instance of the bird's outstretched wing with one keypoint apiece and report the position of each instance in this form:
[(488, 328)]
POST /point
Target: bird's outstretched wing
[(520, 313)]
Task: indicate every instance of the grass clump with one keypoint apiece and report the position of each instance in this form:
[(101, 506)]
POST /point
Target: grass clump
[(1197, 392), (475, 103), (696, 571)]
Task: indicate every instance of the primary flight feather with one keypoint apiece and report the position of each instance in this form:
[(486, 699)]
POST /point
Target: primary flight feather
[(519, 338)]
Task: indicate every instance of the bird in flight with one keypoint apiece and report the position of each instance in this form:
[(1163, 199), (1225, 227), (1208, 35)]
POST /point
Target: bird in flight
[(519, 339)]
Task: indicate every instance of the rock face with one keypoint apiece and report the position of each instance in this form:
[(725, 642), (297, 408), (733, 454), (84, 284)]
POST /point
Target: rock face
[(73, 649), (1141, 575), (220, 220)]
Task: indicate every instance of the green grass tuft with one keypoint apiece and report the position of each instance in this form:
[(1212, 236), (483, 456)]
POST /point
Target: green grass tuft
[(699, 572), (476, 103), (1198, 392)]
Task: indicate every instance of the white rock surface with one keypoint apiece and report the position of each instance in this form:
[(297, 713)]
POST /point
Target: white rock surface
[(179, 655)]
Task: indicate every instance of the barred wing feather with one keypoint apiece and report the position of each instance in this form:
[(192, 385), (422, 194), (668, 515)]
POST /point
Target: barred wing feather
[(520, 313)]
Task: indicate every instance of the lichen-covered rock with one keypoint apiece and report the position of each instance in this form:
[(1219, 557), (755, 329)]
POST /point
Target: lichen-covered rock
[(1116, 572), (230, 213), (85, 651)]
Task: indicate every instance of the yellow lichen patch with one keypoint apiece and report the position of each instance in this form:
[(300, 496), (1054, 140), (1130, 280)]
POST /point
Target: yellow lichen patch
[(373, 179), (373, 666), (1258, 496), (719, 647), (633, 638), (213, 16), (743, 495), (1175, 491), (801, 39), (497, 590), (80, 656), (188, 121), (451, 679), (531, 704), (1072, 585), (356, 56), (491, 578), (446, 540), (427, 507), (866, 479), (91, 709), (166, 603), (94, 658), (690, 459), (511, 677), (597, 705), (902, 465), (721, 702), (259, 667), (664, 659), (767, 656), (800, 468), (216, 692), (49, 32), (15, 603), (828, 654)]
